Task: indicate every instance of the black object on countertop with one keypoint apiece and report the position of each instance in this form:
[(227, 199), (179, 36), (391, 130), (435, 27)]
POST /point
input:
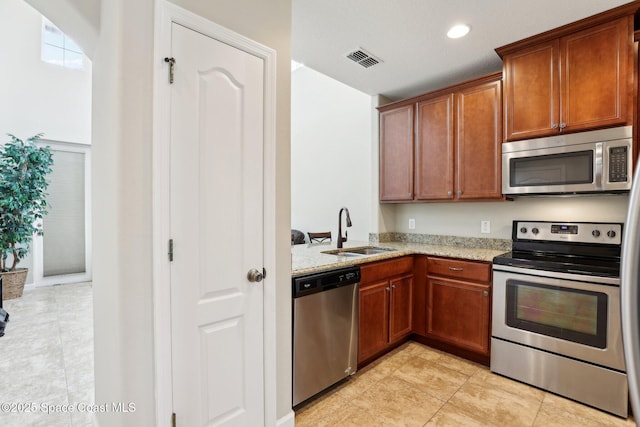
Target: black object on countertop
[(4, 316), (297, 237)]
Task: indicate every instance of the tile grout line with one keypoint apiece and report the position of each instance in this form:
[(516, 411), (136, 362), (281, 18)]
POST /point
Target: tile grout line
[(537, 412), (64, 362), (450, 397)]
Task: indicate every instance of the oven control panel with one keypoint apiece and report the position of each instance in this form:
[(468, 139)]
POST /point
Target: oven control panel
[(575, 232)]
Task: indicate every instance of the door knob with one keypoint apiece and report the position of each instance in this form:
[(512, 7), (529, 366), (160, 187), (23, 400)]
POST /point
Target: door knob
[(254, 275)]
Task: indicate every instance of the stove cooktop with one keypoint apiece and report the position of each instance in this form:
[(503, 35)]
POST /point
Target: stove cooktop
[(567, 247), (563, 264)]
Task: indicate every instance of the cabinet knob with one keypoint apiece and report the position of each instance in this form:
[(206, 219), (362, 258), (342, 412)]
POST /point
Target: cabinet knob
[(563, 125), (449, 193), (554, 126), (393, 286), (485, 293), (388, 289), (459, 192)]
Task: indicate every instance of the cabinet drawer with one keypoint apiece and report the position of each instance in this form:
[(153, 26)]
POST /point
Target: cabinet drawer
[(470, 270), (385, 269)]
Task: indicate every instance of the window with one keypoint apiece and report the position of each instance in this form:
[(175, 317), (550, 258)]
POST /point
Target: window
[(59, 49), (63, 253)]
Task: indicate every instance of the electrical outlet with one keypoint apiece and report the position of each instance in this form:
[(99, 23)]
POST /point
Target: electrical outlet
[(412, 224), (485, 227)]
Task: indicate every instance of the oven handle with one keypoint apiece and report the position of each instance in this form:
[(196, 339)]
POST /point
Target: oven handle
[(577, 277), (629, 295)]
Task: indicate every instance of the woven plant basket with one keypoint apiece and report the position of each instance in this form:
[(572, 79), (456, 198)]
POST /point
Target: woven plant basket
[(13, 283)]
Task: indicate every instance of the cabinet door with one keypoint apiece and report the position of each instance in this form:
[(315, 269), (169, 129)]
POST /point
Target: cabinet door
[(531, 93), (458, 313), (396, 154), (401, 305), (479, 142), (434, 149), (595, 76), (373, 325)]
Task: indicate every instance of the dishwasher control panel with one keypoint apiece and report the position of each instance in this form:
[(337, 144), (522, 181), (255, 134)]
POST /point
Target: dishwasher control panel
[(317, 282)]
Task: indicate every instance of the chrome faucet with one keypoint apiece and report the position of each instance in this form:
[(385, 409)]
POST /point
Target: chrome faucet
[(340, 238)]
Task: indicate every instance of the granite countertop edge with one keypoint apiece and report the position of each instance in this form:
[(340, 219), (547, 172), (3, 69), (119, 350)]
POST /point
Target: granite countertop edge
[(309, 258)]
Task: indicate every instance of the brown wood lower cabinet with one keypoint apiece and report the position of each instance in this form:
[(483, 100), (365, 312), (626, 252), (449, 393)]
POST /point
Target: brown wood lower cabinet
[(373, 327), (458, 313), (454, 299), (385, 306), (442, 302)]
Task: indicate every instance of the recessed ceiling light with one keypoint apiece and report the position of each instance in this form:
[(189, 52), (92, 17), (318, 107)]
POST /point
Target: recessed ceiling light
[(458, 31)]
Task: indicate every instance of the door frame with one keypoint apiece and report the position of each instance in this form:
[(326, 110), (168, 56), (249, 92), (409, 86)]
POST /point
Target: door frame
[(167, 13)]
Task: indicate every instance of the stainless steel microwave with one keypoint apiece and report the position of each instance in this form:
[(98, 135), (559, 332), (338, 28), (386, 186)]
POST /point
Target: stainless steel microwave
[(597, 161)]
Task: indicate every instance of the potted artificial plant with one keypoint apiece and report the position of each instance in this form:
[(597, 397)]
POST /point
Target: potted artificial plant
[(23, 183)]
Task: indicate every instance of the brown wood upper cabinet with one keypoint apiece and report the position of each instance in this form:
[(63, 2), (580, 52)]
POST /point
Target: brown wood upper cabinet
[(574, 78), (457, 144), (396, 159)]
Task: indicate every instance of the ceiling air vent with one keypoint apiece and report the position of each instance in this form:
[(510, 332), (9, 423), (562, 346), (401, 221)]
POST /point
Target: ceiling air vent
[(363, 58)]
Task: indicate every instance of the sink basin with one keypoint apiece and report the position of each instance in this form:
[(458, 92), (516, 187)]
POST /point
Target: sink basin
[(345, 254), (370, 250), (358, 252)]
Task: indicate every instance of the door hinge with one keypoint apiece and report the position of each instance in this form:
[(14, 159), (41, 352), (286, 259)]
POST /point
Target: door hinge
[(170, 249), (173, 420), (171, 62)]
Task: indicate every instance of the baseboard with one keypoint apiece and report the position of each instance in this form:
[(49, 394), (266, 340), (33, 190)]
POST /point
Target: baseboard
[(288, 420)]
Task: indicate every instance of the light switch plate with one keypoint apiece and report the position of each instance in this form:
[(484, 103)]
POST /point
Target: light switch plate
[(485, 227), (412, 224)]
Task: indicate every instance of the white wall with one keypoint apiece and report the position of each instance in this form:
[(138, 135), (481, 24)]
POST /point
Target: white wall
[(463, 219), (330, 154), (36, 96)]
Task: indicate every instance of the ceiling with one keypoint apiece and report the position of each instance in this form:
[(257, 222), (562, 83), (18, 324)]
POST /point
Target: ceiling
[(409, 36)]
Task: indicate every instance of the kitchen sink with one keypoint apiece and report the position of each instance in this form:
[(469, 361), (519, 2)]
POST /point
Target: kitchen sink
[(358, 252)]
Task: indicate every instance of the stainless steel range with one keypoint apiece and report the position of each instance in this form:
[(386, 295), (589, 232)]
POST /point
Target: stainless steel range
[(556, 312)]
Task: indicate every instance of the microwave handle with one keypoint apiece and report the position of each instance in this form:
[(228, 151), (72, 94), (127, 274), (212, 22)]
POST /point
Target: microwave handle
[(599, 165)]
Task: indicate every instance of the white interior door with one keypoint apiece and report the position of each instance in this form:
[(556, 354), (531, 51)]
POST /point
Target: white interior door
[(217, 229)]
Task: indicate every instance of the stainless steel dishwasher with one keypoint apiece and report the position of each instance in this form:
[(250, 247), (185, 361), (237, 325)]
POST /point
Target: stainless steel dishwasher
[(325, 330)]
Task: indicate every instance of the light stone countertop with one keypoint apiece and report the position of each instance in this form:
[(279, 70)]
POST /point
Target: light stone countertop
[(309, 258)]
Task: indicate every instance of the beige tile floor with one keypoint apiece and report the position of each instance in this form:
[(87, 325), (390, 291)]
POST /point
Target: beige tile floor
[(46, 357), (419, 386)]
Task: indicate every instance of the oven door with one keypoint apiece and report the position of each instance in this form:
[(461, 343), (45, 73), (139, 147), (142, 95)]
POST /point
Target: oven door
[(561, 313)]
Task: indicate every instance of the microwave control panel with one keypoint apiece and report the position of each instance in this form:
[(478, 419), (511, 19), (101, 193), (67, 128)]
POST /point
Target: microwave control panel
[(618, 160)]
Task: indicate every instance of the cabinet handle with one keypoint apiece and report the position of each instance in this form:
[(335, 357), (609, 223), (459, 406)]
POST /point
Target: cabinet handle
[(456, 268), (485, 293)]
